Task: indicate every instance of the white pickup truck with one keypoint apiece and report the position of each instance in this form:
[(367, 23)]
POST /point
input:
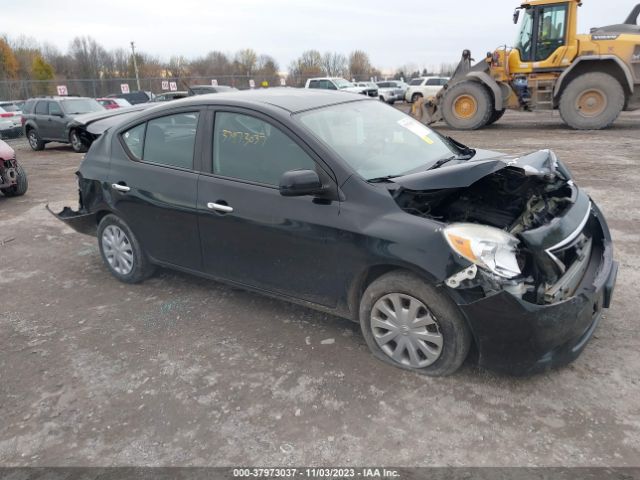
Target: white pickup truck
[(337, 83)]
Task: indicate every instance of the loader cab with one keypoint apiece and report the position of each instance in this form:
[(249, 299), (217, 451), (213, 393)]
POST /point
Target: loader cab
[(543, 30), (546, 38)]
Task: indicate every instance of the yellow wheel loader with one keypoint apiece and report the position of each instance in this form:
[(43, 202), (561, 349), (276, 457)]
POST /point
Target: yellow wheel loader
[(589, 78)]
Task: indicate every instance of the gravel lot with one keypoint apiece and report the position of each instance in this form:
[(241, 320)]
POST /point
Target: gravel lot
[(185, 371)]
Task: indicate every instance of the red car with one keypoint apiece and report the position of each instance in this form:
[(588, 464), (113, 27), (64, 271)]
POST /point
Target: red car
[(111, 103), (13, 179)]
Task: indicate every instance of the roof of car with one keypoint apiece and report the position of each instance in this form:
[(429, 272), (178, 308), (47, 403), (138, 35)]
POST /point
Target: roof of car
[(290, 99)]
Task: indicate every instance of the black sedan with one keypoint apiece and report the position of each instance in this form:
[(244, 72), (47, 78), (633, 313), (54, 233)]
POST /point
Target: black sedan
[(344, 204)]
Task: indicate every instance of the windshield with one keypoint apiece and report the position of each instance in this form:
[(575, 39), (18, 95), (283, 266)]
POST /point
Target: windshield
[(122, 102), (81, 105), (376, 140), (523, 42), (342, 83)]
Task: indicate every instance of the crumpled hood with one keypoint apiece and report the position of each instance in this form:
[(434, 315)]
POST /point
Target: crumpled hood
[(485, 162)]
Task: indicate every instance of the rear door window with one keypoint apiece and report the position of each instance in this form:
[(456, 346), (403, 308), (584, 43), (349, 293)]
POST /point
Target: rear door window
[(171, 140), (42, 108), (168, 140)]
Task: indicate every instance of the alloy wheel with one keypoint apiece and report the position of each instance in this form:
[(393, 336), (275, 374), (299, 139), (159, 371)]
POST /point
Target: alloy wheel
[(405, 330)]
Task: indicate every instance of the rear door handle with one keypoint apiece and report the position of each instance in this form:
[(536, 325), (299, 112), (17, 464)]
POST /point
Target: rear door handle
[(218, 207), (120, 188)]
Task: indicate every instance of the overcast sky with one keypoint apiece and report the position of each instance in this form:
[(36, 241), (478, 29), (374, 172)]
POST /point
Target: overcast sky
[(394, 33)]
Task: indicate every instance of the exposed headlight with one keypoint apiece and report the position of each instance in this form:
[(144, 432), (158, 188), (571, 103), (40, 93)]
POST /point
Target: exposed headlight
[(488, 247)]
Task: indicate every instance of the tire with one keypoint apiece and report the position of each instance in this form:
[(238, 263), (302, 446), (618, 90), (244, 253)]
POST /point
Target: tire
[(35, 142), (592, 101), (467, 106), (415, 97), (21, 186), (76, 142), (440, 316), (495, 116), (132, 265)]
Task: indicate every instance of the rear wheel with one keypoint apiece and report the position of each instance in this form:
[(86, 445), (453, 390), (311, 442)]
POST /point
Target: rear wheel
[(411, 325), (121, 251), (35, 142), (20, 188), (592, 101), (76, 142), (467, 106)]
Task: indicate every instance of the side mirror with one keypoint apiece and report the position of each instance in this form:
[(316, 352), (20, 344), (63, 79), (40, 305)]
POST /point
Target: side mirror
[(516, 15), (297, 183)]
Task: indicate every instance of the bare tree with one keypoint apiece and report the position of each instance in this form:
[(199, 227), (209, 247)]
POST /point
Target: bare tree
[(359, 64), (334, 64), (245, 61)]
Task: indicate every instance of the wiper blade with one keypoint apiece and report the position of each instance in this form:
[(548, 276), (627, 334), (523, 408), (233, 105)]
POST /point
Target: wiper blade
[(439, 163), (466, 152)]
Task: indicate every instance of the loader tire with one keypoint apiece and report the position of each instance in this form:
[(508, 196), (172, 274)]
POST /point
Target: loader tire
[(467, 106), (592, 101)]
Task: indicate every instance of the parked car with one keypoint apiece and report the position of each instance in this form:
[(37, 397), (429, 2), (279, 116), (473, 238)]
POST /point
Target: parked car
[(341, 203), (10, 120), (424, 87), (135, 97), (391, 91), (337, 83), (13, 179), (168, 96), (47, 119), (205, 89), (113, 103), (369, 87)]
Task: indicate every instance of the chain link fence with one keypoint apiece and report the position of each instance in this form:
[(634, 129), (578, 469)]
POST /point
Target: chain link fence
[(101, 87), (92, 87)]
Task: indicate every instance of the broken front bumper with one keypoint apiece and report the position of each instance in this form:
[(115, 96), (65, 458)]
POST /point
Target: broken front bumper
[(518, 337)]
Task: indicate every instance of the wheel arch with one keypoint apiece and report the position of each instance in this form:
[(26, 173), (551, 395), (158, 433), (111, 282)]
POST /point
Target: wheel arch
[(370, 274), (609, 64)]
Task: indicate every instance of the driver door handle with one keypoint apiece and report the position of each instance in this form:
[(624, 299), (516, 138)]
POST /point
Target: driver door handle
[(218, 207), (120, 188)]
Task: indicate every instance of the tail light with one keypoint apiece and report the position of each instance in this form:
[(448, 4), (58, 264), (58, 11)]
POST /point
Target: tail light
[(6, 115), (22, 120)]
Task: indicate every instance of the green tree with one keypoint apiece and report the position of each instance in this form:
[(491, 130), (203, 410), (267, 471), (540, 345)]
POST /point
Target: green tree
[(40, 69)]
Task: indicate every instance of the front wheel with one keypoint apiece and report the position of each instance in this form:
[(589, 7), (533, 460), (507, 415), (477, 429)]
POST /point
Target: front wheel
[(21, 185), (121, 251), (467, 106), (592, 101), (409, 324), (415, 97), (76, 142)]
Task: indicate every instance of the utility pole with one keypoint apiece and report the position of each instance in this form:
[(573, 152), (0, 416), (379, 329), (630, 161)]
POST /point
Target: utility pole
[(135, 64)]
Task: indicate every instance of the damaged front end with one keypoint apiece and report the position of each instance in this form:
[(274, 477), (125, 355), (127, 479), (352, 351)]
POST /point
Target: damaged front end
[(535, 254)]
